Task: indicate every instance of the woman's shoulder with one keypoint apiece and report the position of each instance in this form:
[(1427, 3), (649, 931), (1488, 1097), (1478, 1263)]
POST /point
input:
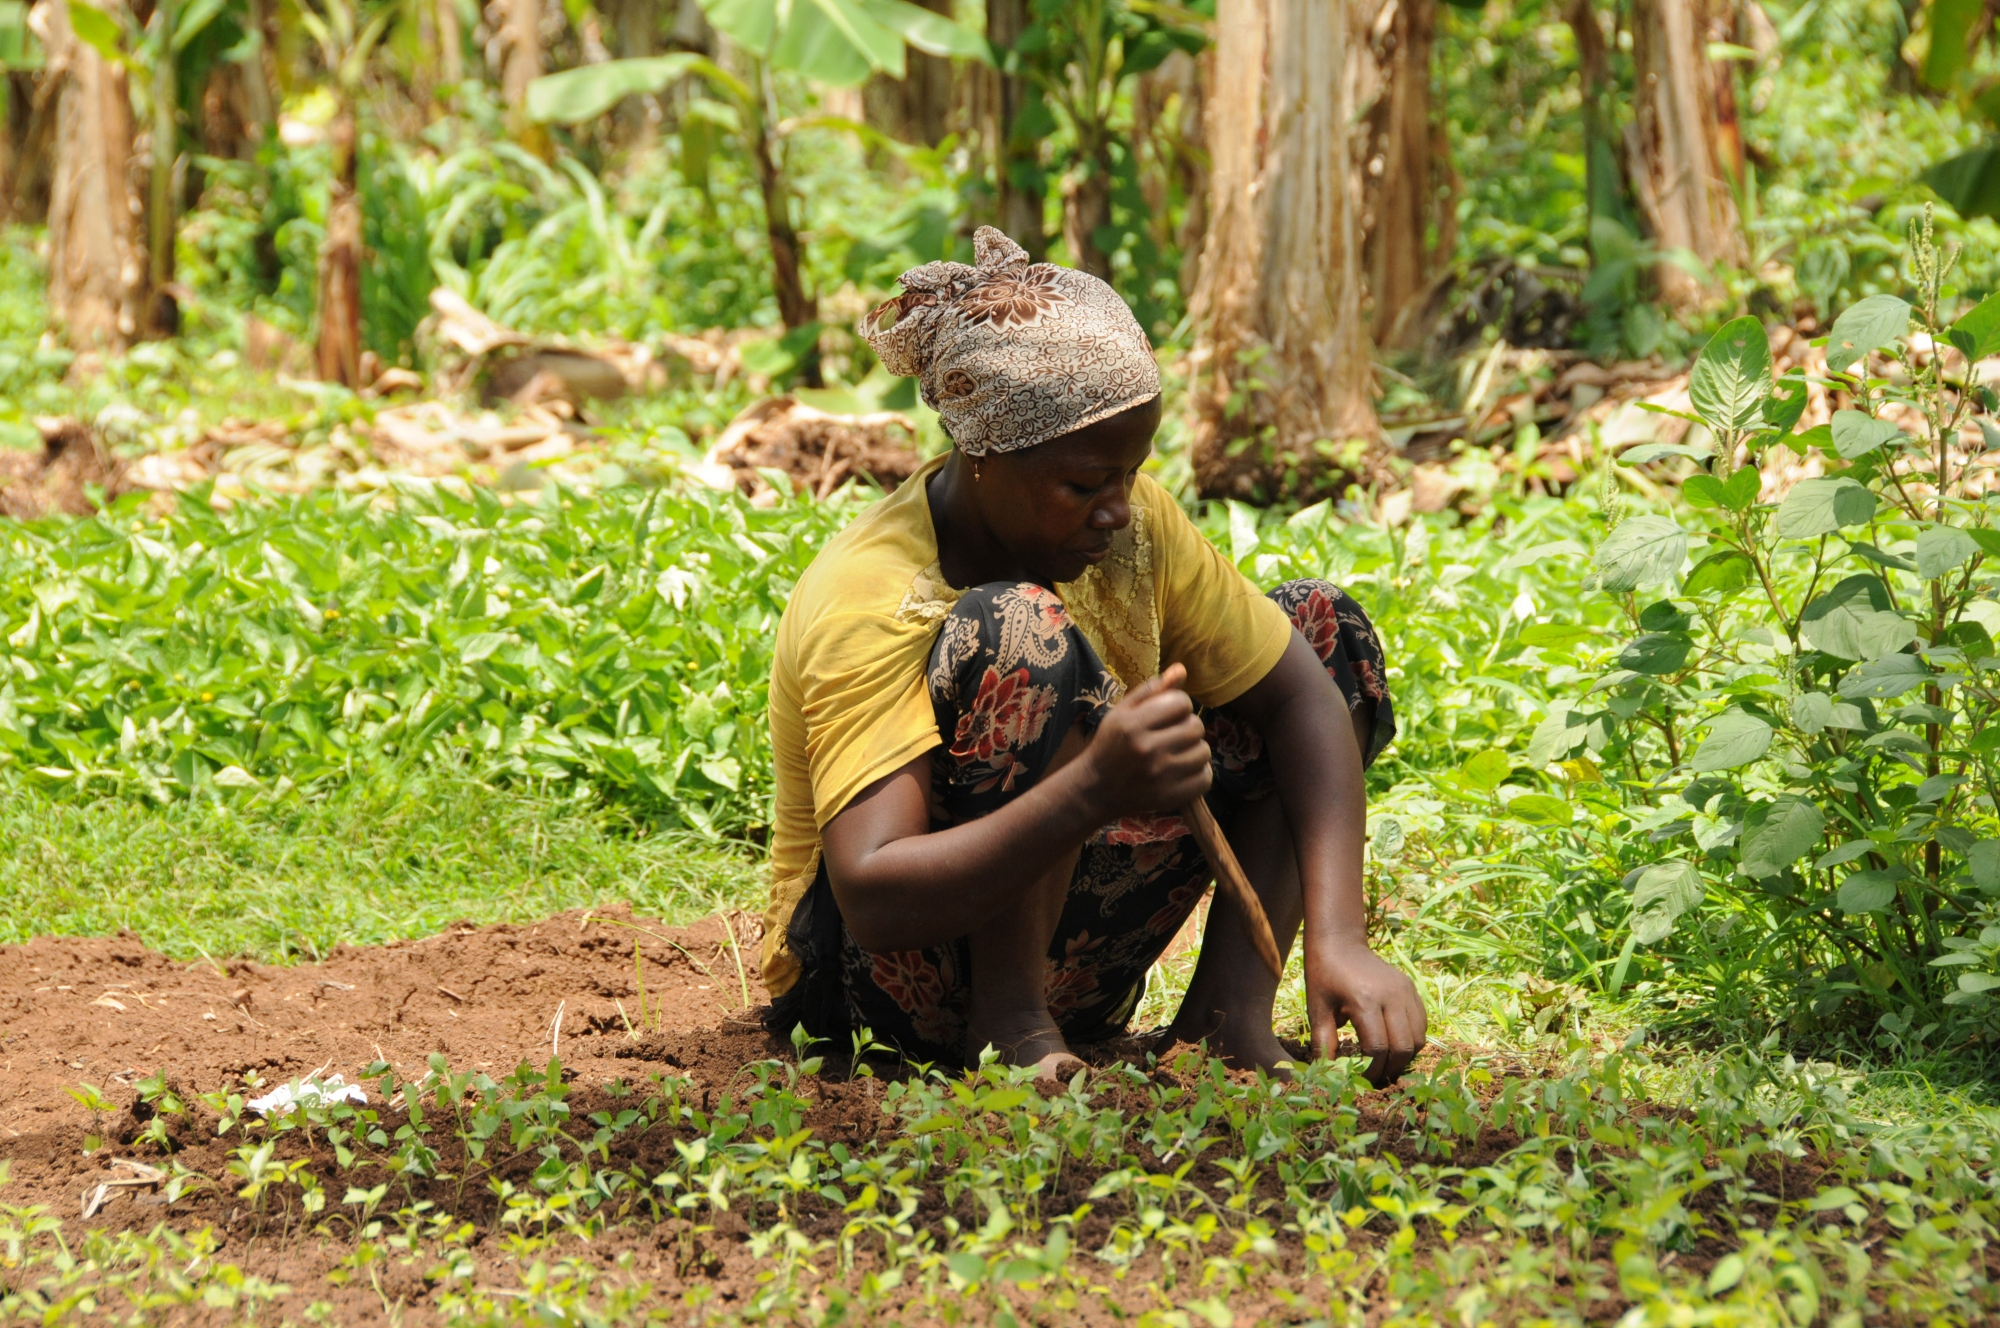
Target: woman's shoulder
[(871, 566)]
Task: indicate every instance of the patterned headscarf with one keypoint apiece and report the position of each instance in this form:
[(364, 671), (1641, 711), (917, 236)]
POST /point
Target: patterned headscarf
[(1012, 353)]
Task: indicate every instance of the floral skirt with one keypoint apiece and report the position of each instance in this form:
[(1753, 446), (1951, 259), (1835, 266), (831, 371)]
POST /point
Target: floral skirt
[(1009, 675)]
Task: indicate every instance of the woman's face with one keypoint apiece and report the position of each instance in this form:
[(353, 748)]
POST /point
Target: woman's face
[(1054, 506)]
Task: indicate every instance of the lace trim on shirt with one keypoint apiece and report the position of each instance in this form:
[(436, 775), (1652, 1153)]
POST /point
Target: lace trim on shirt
[(929, 598), (1116, 603)]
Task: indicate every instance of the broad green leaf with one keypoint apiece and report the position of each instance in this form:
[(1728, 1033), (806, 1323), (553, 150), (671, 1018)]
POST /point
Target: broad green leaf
[(1644, 452), (1782, 412), (1968, 181), (1541, 809), (1820, 436), (1560, 733), (1718, 574), (1983, 860), (1732, 376), (1891, 675), (1949, 29), (1822, 506), (1864, 326), (1663, 892), (98, 30), (1736, 494), (837, 42), (1553, 634), (1857, 433), (1815, 712), (588, 91), (1867, 552), (751, 24), (1867, 891), (1852, 851), (1780, 835), (1853, 621), (1979, 327), (1486, 770), (1703, 491), (480, 645), (1736, 738), (1811, 710), (1987, 539), (931, 33), (1657, 653), (1978, 982), (1942, 549), (1643, 550)]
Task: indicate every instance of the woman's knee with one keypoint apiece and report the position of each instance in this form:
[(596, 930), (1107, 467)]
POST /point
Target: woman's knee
[(1010, 678), (1003, 626), (1341, 634)]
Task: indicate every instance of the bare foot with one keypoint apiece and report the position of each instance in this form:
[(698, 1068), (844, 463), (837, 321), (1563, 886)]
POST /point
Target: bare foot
[(1241, 1045), (1025, 1040)]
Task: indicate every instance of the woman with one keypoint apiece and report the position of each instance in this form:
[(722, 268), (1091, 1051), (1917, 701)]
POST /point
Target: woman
[(976, 843)]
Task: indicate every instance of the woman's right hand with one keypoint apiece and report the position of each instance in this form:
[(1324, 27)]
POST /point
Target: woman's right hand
[(1149, 754)]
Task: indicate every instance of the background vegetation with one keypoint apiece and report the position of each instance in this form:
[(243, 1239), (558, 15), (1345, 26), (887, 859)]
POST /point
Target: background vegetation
[(1682, 761)]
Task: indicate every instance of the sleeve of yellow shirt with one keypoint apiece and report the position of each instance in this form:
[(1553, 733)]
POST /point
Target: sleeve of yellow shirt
[(1213, 619), (866, 711)]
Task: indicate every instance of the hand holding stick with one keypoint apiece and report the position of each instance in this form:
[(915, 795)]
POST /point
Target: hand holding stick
[(1229, 876)]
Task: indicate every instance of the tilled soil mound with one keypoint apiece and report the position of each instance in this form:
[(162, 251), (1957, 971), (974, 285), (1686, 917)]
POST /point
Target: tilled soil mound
[(107, 1012)]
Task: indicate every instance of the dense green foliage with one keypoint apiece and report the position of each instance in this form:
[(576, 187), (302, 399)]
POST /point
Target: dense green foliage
[(284, 645), (1471, 1196)]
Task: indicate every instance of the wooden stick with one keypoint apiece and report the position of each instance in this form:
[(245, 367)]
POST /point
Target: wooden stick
[(1229, 876)]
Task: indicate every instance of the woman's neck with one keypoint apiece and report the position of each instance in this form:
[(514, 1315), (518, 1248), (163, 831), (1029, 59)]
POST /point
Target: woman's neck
[(968, 553)]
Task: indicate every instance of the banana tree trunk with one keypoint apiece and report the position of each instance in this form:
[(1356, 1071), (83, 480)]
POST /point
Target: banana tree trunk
[(1282, 375), (1674, 146), (27, 148), (796, 307), (162, 310), (451, 44), (915, 108), (1603, 172), (1017, 166), (97, 248), (1087, 210), (1407, 229), (339, 350), (523, 64)]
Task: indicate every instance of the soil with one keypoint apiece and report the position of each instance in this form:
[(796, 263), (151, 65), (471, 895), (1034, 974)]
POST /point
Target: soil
[(67, 476), (108, 1012)]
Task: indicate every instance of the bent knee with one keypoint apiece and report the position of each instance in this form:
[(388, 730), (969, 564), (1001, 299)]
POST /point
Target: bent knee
[(1004, 626)]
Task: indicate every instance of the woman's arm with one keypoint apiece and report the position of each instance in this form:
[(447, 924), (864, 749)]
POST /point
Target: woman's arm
[(1317, 763), (901, 887)]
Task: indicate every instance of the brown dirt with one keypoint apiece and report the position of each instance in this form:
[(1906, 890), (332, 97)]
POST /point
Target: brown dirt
[(60, 476), (820, 452), (108, 1011)]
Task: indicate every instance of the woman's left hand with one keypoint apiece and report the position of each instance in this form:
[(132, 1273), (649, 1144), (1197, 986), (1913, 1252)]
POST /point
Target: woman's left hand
[(1346, 982)]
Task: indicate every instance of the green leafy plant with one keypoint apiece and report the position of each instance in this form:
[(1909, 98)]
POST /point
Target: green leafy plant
[(1812, 699)]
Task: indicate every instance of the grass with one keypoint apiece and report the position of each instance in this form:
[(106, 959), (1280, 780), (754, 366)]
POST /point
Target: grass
[(363, 865)]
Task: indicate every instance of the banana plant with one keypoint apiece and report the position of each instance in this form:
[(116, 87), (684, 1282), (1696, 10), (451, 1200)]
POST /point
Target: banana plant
[(840, 43), (346, 35), (168, 62)]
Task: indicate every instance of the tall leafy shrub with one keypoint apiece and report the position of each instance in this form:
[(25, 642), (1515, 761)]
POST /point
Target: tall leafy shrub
[(1817, 688)]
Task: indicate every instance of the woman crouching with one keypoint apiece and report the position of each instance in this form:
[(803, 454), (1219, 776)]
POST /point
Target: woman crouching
[(993, 689)]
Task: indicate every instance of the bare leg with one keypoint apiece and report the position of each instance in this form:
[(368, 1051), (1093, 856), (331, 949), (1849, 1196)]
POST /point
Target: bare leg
[(1230, 996), (1010, 966)]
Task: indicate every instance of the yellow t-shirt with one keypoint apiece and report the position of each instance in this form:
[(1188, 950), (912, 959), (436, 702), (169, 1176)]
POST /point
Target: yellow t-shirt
[(848, 697)]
